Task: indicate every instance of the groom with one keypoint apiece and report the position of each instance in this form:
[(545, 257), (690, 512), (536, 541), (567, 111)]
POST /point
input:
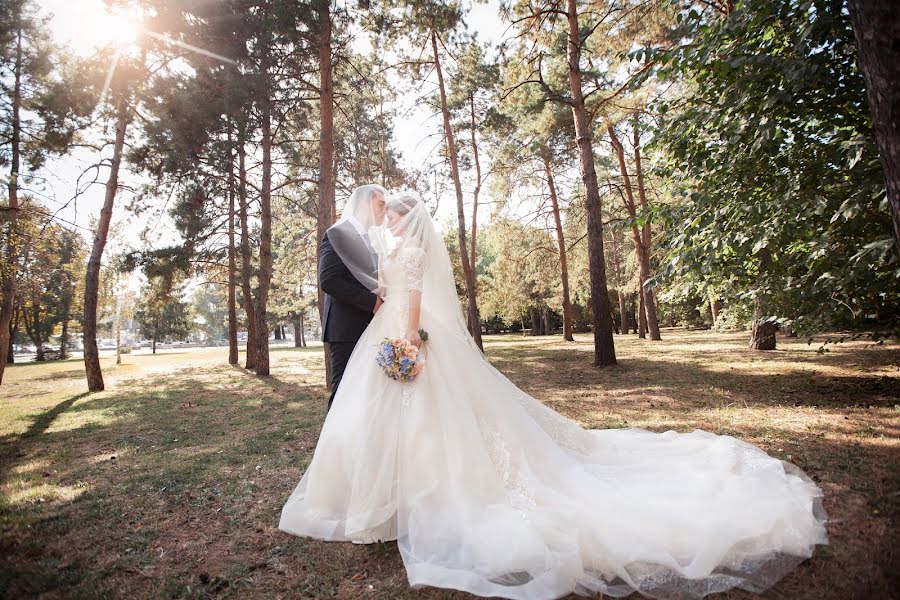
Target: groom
[(349, 305)]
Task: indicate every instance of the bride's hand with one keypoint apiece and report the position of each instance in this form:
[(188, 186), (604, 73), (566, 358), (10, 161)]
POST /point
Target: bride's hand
[(413, 338)]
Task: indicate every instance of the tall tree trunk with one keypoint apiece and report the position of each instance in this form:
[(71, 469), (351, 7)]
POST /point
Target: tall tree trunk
[(10, 351), (118, 342), (642, 314), (297, 322), (640, 238), (92, 280), (11, 214), (563, 259), (714, 308), (762, 335), (876, 25), (264, 274), (33, 325), (649, 295), (64, 337), (232, 259), (617, 279), (535, 316), (246, 256), (325, 216), (468, 267), (545, 320), (604, 347), (475, 195)]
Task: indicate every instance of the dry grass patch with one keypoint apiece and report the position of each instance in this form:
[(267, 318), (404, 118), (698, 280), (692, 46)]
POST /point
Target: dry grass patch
[(170, 483)]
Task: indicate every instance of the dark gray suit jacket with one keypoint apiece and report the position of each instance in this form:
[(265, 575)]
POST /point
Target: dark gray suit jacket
[(348, 303)]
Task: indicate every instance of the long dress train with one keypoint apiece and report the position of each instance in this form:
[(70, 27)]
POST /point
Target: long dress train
[(489, 491)]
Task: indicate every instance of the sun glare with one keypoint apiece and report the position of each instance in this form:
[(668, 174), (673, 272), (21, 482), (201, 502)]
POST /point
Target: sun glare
[(93, 26), (122, 29)]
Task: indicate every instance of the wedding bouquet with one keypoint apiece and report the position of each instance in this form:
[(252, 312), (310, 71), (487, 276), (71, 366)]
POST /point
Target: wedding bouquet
[(400, 359)]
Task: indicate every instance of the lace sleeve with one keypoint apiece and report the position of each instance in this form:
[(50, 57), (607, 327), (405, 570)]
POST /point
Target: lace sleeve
[(413, 260)]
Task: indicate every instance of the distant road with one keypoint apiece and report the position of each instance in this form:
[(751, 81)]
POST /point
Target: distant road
[(25, 357)]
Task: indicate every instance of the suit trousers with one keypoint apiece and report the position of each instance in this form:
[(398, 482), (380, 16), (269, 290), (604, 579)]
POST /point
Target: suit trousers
[(340, 355)]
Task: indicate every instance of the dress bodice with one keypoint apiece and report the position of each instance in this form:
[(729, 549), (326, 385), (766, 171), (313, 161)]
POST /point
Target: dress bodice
[(403, 270)]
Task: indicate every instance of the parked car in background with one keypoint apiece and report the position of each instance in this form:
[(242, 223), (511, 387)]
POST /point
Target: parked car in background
[(51, 352)]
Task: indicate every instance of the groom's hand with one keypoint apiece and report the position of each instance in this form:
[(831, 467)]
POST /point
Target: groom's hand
[(378, 303)]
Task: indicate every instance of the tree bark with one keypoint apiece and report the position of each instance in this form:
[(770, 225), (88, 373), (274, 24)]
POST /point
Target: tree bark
[(649, 296), (563, 258), (118, 342), (64, 336), (714, 308), (11, 215), (264, 274), (468, 268), (33, 324), (642, 314), (762, 335), (876, 25), (640, 238), (13, 328), (92, 280), (31, 316), (475, 195), (297, 322), (617, 279), (545, 320), (232, 259), (535, 317), (325, 216), (604, 347), (246, 256)]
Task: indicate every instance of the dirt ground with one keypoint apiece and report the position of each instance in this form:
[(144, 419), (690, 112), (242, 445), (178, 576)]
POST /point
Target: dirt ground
[(170, 483)]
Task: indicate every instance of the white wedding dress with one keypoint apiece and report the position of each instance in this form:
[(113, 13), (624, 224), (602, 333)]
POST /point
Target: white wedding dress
[(487, 490)]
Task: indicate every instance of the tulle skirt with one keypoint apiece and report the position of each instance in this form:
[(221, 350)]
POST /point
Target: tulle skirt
[(487, 490)]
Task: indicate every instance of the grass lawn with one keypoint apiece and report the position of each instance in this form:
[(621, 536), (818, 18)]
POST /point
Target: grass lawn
[(170, 483)]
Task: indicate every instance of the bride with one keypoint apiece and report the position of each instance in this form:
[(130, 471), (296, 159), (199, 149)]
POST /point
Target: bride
[(487, 490)]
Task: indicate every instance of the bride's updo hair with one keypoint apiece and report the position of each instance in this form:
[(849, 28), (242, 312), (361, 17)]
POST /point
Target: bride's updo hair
[(402, 204)]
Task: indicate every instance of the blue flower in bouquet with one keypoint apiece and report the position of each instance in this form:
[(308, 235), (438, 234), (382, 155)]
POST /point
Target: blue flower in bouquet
[(400, 359)]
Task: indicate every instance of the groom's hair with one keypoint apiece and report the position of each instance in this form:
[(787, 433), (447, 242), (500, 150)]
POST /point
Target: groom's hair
[(402, 204)]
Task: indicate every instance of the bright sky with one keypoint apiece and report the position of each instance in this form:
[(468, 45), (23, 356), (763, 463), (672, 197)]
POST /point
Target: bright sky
[(83, 24)]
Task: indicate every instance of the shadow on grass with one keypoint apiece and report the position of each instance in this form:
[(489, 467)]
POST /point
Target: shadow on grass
[(45, 419), (185, 468), (185, 479), (696, 382)]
